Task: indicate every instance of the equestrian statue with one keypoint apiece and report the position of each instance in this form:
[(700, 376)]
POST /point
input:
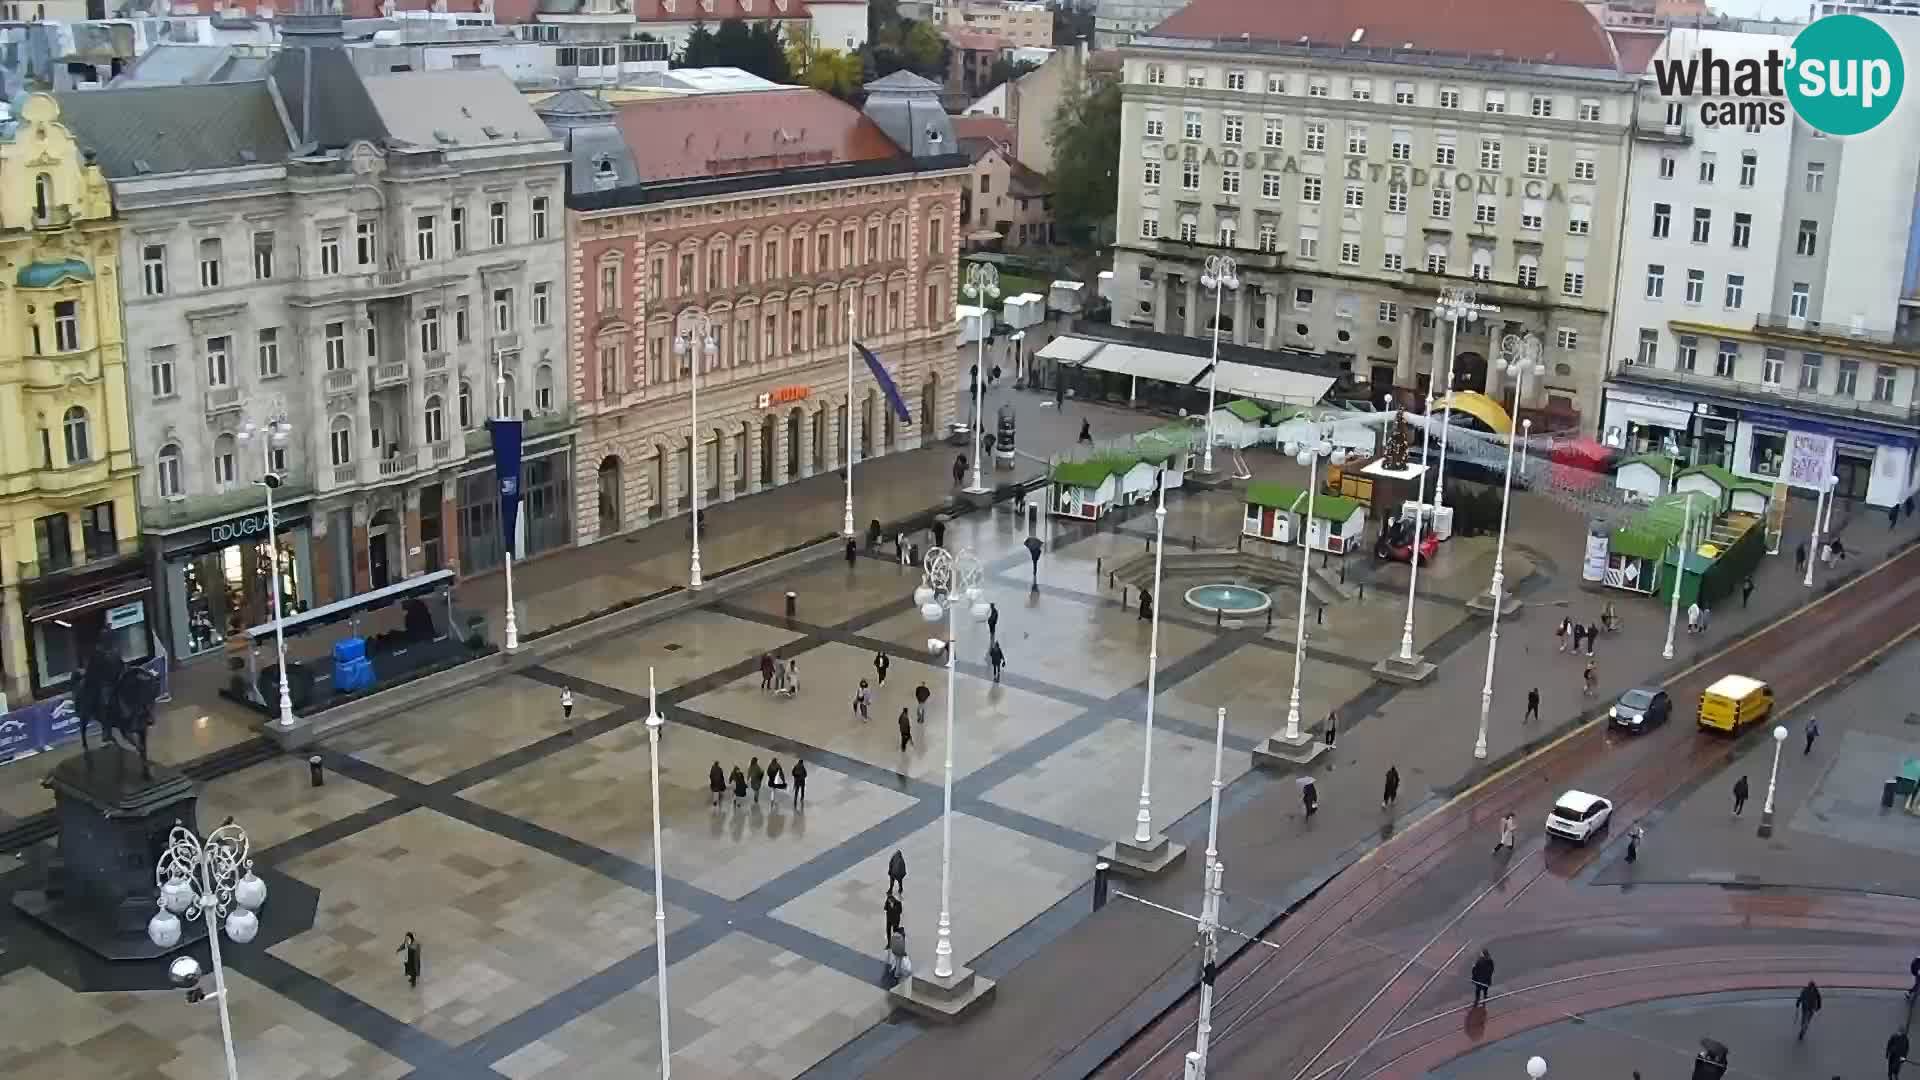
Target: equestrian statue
[(118, 697)]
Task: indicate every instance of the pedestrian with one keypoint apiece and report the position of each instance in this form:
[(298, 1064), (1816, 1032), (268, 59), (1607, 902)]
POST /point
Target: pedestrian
[(1839, 550), (862, 701), (913, 554), (873, 536), (1800, 557), (892, 907), (897, 873), (1565, 628), (566, 703), (939, 533), (1914, 970), (906, 730), (1740, 792), (799, 783), (1507, 832), (853, 552), (1893, 517), (998, 658), (1706, 618), (1813, 732), (410, 962), (1897, 1047), (717, 782), (959, 469), (1633, 844), (1146, 605), (1331, 732), (1575, 633), (993, 622), (1610, 618), (900, 547), (739, 787), (1309, 797), (1806, 1005), (1746, 591), (1693, 617), (1533, 705), (898, 966), (1592, 633), (755, 777), (1592, 679), (1391, 791), (792, 668), (920, 696), (776, 780), (1907, 507), (1086, 432), (766, 671), (1482, 977), (881, 661)]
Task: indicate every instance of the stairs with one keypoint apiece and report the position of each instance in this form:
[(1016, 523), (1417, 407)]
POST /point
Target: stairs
[(43, 826)]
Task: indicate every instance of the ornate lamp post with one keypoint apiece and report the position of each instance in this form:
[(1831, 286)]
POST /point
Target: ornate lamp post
[(508, 535), (1525, 353), (1419, 523), (273, 437), (1679, 573), (1455, 304), (952, 580), (1144, 841), (1773, 779), (209, 879), (1813, 554), (1196, 1064), (846, 524), (1308, 454), (1220, 275), (983, 284), (695, 342), (654, 723)]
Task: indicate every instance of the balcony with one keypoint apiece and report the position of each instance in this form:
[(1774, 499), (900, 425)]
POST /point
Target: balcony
[(1196, 253), (52, 371), (478, 441), (339, 381), (387, 284), (391, 374), (436, 361), (346, 475), (505, 341), (399, 464), (1764, 394), (1826, 335), (1680, 134), (222, 399), (446, 451)]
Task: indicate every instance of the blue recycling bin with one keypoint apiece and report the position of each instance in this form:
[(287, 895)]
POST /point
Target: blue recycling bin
[(352, 671)]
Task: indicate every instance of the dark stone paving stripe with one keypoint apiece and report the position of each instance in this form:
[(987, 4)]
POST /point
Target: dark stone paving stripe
[(342, 1009), (872, 843), (539, 749), (1016, 821), (866, 967)]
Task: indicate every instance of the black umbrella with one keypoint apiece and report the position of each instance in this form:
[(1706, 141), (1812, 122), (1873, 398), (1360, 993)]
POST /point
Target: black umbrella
[(1033, 546)]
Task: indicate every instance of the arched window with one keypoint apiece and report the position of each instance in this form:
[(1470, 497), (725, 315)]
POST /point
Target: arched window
[(79, 444), (167, 472), (466, 405), (509, 401), (340, 441), (434, 418), (1482, 264), (543, 388), (610, 369), (226, 462), (42, 197)]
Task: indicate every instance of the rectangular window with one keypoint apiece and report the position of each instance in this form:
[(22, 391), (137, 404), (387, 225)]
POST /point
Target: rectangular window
[(1273, 133), (1496, 101), (1540, 105), (542, 303), (1190, 125), (219, 361), (1309, 189), (430, 332), (1773, 366), (330, 251), (1883, 378), (1190, 176), (1350, 252), (1649, 350), (1579, 219), (1443, 150), (1590, 111), (1270, 185), (52, 542), (1702, 224), (1742, 230), (1317, 86), (1316, 136), (538, 218), (1584, 168), (1689, 352), (1357, 140), (462, 326), (1810, 365), (497, 224), (66, 326), (1528, 273), (1308, 246), (426, 229), (160, 371), (365, 247), (1189, 230), (503, 310), (1709, 165), (1149, 224), (1573, 282), (1197, 78), (1696, 286), (1303, 299), (1749, 168), (457, 218), (267, 351), (1229, 181), (1276, 84), (1797, 301), (1816, 177), (1807, 242), (1486, 210), (1237, 80), (1393, 260), (1442, 203), (1656, 281), (1436, 262), (153, 269), (1356, 197), (1666, 166), (1727, 359), (1847, 379), (97, 531), (1396, 202), (1490, 155), (1232, 128), (1360, 89), (1736, 291), (1156, 75), (1449, 97), (1401, 149), (334, 337), (1662, 220), (263, 256), (1156, 126), (1269, 237), (1536, 158), (1150, 174), (1403, 93), (1567, 340)]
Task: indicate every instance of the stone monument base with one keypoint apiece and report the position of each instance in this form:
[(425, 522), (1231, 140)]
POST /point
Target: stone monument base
[(1132, 859), (1276, 751), (943, 1000), (1482, 604), (1404, 671)]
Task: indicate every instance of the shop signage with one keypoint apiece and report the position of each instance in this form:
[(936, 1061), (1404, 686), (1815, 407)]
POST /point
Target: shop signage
[(1809, 459), (784, 395), (127, 615), (228, 532), (1397, 175), (29, 729), (1653, 400), (234, 530)]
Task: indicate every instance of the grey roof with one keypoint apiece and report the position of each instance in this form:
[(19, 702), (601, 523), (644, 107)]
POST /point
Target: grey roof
[(170, 64), (466, 107), (903, 81), (907, 107), (167, 129), (342, 110), (569, 104)]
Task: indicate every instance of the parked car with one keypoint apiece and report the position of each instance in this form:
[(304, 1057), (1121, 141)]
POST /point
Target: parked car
[(1640, 709), (1396, 542), (1578, 816)]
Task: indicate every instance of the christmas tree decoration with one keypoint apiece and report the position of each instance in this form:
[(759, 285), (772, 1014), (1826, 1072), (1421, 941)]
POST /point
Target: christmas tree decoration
[(1395, 455)]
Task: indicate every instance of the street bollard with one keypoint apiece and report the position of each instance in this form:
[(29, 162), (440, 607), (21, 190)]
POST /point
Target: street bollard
[(1269, 616), (793, 604), (1193, 543), (1216, 617), (1096, 565), (1101, 871), (1320, 616), (1123, 597), (1149, 545), (315, 772)]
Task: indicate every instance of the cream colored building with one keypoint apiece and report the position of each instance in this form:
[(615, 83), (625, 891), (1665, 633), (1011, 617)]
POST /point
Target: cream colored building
[(1353, 183), (1017, 22)]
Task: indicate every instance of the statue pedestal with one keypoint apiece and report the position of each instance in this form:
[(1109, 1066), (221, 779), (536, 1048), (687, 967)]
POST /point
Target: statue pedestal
[(113, 828)]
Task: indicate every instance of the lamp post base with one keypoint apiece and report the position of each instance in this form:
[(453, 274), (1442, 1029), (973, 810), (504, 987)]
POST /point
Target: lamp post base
[(1406, 671), (1766, 824), (1482, 604), (1130, 858), (943, 1000), (1276, 751)]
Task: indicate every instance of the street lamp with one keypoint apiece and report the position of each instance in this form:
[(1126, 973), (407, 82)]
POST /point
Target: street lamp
[(1814, 554), (1455, 305), (1679, 573), (1308, 454), (508, 535), (952, 579), (983, 283), (1526, 353), (846, 524), (1419, 521), (273, 438), (1018, 343), (1143, 828), (1219, 276), (701, 348), (654, 723), (1773, 777), (1196, 1064), (209, 879), (1537, 1067)]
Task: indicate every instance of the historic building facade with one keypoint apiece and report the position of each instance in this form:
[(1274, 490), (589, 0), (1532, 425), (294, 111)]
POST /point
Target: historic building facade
[(782, 225), (381, 263), (69, 530), (1357, 165)]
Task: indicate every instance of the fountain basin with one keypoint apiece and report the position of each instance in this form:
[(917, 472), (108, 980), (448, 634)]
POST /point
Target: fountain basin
[(1223, 599)]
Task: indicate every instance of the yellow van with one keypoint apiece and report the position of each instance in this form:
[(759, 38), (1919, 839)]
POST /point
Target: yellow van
[(1734, 702)]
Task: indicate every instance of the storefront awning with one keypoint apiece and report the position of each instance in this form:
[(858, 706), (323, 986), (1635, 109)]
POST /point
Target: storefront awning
[(99, 598), (1131, 360), (341, 610), (1274, 385)]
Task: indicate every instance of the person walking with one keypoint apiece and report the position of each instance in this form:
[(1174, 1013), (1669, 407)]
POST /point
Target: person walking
[(920, 696), (993, 622), (1746, 592), (776, 780), (1592, 678), (1086, 432), (906, 730), (897, 873), (959, 469), (1897, 1047), (1592, 633), (913, 554), (1693, 617), (717, 782), (862, 701), (1391, 790), (1633, 844), (881, 661), (1806, 1005), (1914, 969), (939, 533), (1706, 618), (1146, 605), (566, 704), (1893, 517), (998, 658), (410, 962), (1533, 705), (1740, 793), (755, 777), (1482, 977), (1309, 797), (1565, 628), (853, 551), (766, 671), (1800, 557), (892, 907), (1575, 633), (792, 669), (1813, 732), (739, 787), (898, 966), (799, 783), (1507, 832)]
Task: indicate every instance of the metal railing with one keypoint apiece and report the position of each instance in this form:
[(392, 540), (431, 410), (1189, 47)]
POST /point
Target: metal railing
[(399, 464), (222, 399), (1835, 332), (340, 380)]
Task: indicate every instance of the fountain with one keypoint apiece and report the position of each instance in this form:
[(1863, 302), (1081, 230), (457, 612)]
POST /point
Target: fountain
[(1228, 600)]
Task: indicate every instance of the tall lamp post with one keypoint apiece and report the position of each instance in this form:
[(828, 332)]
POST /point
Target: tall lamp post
[(1220, 274), (655, 722), (983, 284), (1308, 454), (1455, 304), (846, 524), (1813, 554), (1149, 853), (272, 437), (1419, 523), (1679, 573), (209, 879), (1773, 778), (508, 537), (1196, 1065), (952, 580), (1018, 343), (696, 342), (1525, 352)]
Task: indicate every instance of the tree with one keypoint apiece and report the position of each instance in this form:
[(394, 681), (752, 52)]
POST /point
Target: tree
[(1086, 155), (834, 70), (923, 49), (753, 47), (699, 49), (1394, 457)]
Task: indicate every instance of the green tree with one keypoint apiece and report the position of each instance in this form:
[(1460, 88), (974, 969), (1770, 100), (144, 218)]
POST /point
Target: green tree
[(835, 71), (1005, 70), (923, 49), (754, 47), (698, 50), (1086, 155)]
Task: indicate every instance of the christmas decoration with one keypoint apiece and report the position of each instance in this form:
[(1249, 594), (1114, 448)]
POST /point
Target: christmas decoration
[(1394, 457)]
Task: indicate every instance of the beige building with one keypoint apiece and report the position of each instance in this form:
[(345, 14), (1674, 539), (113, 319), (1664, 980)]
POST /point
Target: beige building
[(1017, 23), (1353, 181)]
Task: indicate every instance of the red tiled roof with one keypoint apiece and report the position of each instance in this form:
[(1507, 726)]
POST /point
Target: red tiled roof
[(975, 40), (751, 131), (1636, 48), (714, 12), (1560, 31), (997, 128)]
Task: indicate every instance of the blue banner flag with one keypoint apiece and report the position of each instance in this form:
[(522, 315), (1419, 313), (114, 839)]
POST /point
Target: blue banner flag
[(506, 466), (886, 384)]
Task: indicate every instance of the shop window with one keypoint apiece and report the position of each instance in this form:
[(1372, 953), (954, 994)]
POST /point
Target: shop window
[(1769, 449), (97, 533), (78, 436)]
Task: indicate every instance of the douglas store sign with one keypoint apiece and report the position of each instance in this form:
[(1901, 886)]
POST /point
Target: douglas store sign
[(247, 528)]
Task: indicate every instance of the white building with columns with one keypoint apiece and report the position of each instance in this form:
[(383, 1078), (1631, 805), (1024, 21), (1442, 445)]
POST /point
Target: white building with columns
[(1356, 161)]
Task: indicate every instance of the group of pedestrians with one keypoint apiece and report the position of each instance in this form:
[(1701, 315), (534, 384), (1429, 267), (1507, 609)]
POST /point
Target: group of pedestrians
[(1571, 636), (779, 675), (741, 782), (906, 548), (898, 964)]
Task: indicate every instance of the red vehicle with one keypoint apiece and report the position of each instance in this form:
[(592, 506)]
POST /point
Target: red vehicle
[(1396, 542)]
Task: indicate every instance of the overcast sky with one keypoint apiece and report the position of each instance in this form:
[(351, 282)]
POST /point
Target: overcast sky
[(1763, 9)]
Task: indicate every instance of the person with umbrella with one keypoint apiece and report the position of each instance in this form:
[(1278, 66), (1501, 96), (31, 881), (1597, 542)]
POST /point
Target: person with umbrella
[(1033, 552), (1309, 796)]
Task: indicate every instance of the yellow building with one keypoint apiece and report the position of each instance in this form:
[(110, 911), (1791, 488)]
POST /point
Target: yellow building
[(70, 567)]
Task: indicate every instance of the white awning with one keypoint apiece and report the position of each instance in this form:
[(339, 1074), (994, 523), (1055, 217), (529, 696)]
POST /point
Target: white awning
[(1272, 385), (1132, 360), (1069, 349)]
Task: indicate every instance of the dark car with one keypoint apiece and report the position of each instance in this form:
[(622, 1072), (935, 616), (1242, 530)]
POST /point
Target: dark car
[(1640, 708)]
